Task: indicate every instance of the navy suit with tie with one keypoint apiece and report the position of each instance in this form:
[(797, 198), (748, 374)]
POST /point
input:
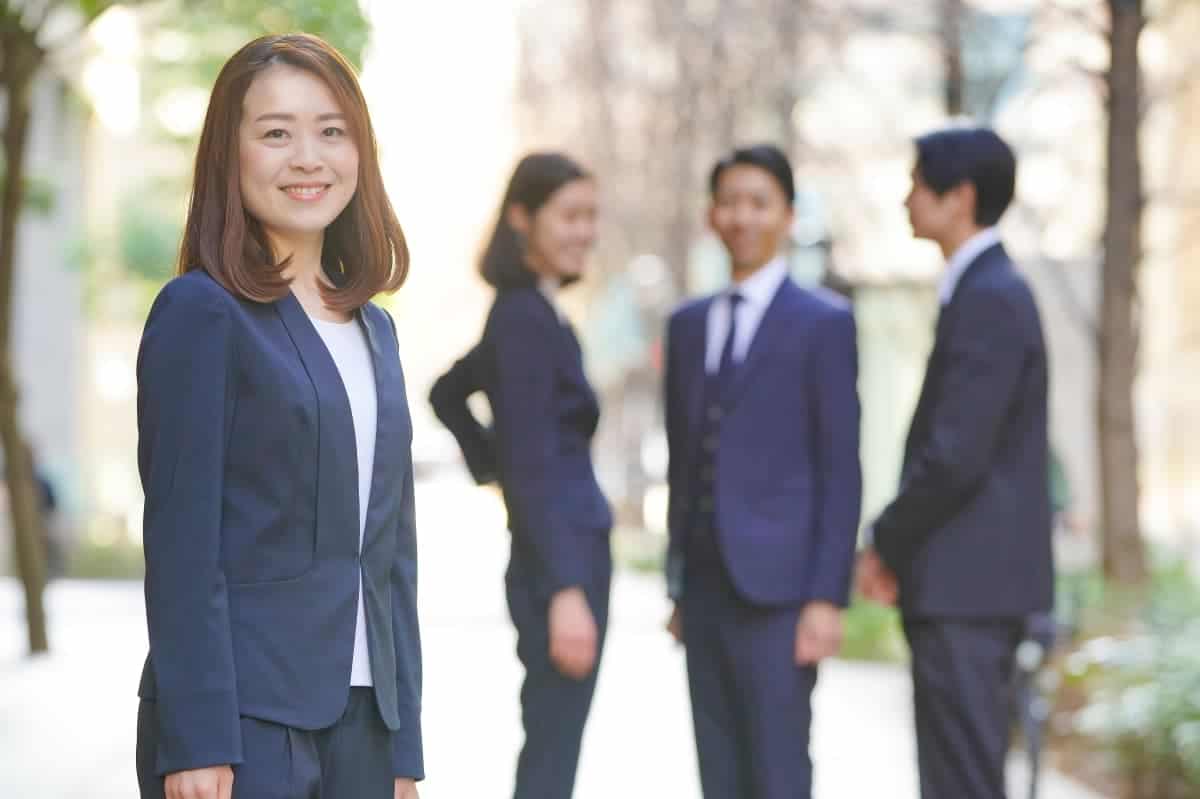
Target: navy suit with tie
[(765, 491), (246, 449), (529, 365), (968, 535)]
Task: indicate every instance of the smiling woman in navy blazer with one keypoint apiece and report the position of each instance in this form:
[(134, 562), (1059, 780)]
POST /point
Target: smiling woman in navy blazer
[(274, 449), (529, 365)]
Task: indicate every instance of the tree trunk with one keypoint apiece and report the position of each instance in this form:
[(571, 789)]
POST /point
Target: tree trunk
[(18, 66), (950, 32), (1124, 556)]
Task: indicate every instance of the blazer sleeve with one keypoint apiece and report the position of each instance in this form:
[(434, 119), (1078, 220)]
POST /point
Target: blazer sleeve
[(672, 418), (407, 743), (836, 418), (184, 417), (449, 397), (984, 357), (524, 343)]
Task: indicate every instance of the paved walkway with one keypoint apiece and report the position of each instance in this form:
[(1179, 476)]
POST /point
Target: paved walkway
[(67, 720)]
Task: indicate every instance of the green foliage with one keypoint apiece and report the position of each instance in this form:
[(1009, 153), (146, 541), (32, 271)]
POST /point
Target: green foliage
[(39, 193), (872, 632), (106, 561), (216, 28), (148, 241), (93, 8), (1142, 684), (190, 40)]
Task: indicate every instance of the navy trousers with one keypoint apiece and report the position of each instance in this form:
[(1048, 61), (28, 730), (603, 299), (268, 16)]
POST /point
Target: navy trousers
[(554, 708), (962, 698), (751, 703), (353, 758)]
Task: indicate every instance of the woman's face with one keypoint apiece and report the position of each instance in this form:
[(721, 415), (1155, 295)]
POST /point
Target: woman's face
[(561, 234), (297, 156)]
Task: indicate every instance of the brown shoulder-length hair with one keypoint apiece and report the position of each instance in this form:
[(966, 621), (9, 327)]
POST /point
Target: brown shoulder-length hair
[(364, 251)]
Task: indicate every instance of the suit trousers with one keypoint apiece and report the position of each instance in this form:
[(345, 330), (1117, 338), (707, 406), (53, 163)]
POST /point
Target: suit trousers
[(751, 704), (554, 708), (353, 758), (962, 697)]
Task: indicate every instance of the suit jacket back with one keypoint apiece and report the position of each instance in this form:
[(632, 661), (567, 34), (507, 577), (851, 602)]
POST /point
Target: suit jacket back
[(969, 532)]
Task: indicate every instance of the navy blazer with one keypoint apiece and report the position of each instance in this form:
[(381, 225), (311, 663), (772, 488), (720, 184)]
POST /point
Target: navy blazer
[(788, 485), (247, 456), (529, 365), (968, 534)]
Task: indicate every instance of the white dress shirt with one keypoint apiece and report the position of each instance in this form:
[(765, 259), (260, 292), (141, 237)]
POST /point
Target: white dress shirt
[(347, 345), (550, 286), (962, 259), (757, 292)]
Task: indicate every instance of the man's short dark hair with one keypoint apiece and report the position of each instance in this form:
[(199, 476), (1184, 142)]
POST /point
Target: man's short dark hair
[(949, 158), (764, 156)]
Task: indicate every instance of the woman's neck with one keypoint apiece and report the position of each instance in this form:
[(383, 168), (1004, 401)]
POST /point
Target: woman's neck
[(306, 275)]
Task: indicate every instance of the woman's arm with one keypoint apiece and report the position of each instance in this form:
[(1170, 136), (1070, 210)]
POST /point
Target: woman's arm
[(184, 415), (449, 399)]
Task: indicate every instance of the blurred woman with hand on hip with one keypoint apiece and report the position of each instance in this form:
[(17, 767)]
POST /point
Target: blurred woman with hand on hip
[(529, 365), (274, 445)]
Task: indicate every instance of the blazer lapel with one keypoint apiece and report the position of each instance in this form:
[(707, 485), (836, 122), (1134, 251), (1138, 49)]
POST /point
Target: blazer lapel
[(337, 454), (764, 338), (393, 429)]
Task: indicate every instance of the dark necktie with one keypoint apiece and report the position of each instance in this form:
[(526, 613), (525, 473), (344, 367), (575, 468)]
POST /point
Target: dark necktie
[(728, 368)]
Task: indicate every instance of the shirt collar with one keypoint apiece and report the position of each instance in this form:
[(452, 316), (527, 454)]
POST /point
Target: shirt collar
[(760, 288), (550, 286), (962, 259)]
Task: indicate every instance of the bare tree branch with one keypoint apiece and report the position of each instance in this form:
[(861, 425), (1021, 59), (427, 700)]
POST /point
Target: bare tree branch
[(1089, 19)]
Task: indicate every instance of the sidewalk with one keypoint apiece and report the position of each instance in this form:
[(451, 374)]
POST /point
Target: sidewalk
[(67, 720)]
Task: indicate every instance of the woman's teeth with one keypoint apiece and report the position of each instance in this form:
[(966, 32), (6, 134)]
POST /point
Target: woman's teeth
[(305, 192)]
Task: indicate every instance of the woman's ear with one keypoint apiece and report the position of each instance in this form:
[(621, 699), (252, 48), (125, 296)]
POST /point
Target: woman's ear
[(519, 219)]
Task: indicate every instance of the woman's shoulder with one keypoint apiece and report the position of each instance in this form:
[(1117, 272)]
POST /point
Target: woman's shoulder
[(379, 318), (194, 289), (523, 306)]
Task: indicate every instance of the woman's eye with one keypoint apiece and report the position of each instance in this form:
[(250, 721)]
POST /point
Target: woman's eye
[(332, 132), (275, 133)]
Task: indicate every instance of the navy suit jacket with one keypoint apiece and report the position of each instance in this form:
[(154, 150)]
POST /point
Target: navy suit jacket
[(968, 534), (247, 456), (788, 485), (529, 365)]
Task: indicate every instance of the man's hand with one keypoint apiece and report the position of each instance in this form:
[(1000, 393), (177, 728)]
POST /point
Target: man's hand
[(215, 782), (874, 580), (818, 633), (675, 624), (573, 635), (405, 789)]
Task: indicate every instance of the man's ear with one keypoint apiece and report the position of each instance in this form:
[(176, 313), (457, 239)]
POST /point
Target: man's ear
[(519, 219), (967, 198)]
